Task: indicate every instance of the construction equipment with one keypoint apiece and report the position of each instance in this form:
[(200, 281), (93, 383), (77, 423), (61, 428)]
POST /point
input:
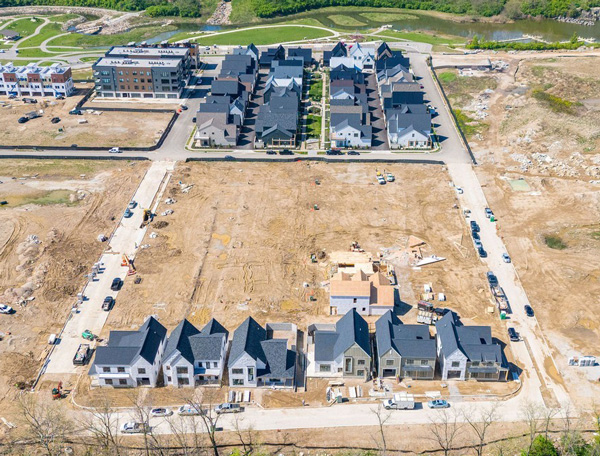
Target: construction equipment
[(126, 261), (82, 354), (428, 314), (57, 393), (355, 247), (148, 217), (313, 258), (88, 335)]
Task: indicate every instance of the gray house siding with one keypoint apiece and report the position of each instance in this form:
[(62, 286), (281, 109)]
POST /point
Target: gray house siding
[(356, 363)]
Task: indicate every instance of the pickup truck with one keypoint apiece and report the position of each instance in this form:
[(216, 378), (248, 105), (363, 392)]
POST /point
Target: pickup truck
[(81, 355), (228, 407)]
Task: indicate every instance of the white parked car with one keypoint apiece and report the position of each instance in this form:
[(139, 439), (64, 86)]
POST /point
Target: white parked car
[(134, 428), (188, 410), (4, 309), (160, 412), (114, 150)]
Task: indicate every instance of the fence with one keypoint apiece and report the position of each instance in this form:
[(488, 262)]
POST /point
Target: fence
[(318, 158)]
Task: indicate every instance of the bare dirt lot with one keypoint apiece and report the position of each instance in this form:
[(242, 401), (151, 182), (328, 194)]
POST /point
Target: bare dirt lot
[(104, 130), (48, 241), (239, 242), (540, 168)]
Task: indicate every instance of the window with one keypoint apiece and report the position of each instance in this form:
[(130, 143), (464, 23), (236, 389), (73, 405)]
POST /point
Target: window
[(238, 381), (104, 73), (324, 367), (121, 80), (360, 373), (348, 365), (135, 79), (200, 364), (106, 369), (361, 362), (182, 370), (122, 381), (134, 73), (354, 300), (105, 80), (120, 369), (455, 364), (215, 364), (237, 371), (169, 379), (108, 381), (168, 368), (389, 362), (141, 370), (410, 361), (183, 380), (250, 374), (474, 363), (120, 73), (424, 362)]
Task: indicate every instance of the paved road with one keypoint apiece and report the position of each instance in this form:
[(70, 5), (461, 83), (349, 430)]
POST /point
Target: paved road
[(126, 240)]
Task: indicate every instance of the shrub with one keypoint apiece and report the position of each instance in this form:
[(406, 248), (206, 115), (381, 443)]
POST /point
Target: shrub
[(554, 242)]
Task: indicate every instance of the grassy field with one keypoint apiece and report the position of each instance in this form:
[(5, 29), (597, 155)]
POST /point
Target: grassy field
[(313, 126), (316, 89), (261, 36), (389, 17), (422, 37), (25, 27), (62, 18), (345, 21), (138, 34), (48, 31)]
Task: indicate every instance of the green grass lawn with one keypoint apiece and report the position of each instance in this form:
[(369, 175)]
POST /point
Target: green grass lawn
[(242, 12), (48, 31), (423, 37), (62, 18), (86, 41), (261, 36), (389, 17), (344, 20), (469, 126), (25, 27), (316, 89), (447, 77), (313, 126)]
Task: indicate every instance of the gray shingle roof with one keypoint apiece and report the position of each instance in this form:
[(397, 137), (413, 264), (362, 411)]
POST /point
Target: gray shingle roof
[(247, 338), (124, 346), (349, 330), (305, 53), (281, 362), (410, 341), (475, 342), (399, 120), (179, 341), (225, 87), (197, 345)]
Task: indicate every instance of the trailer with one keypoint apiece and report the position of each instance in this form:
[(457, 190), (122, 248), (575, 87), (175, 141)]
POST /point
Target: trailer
[(81, 355), (500, 298), (428, 314)]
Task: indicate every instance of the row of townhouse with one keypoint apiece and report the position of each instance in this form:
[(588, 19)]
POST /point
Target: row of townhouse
[(351, 56), (350, 119), (220, 117), (33, 80), (277, 122), (407, 118), (189, 357), (145, 72), (347, 349)]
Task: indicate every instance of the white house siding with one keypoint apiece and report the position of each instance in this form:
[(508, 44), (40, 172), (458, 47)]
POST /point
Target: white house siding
[(454, 366), (178, 372), (244, 364), (344, 304)]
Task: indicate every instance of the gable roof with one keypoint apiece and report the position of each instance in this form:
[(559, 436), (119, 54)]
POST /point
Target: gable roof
[(349, 330), (247, 338), (280, 362), (125, 346), (403, 118), (305, 53), (475, 342), (411, 341)]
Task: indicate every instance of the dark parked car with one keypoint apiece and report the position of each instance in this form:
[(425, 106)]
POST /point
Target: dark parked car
[(108, 303), (475, 236), (271, 152), (529, 311), (334, 152), (184, 107), (513, 335), (193, 120), (116, 284), (229, 157), (286, 152), (353, 152), (60, 97), (482, 253), (75, 112), (474, 226), (23, 119), (55, 120), (492, 279)]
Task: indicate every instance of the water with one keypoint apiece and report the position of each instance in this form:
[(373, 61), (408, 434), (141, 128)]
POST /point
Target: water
[(184, 28)]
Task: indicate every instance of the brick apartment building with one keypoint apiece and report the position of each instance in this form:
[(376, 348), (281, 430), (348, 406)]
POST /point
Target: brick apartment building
[(33, 80), (187, 52), (139, 78)]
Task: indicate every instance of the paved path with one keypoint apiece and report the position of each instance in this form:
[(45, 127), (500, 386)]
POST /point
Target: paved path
[(126, 239), (208, 35)]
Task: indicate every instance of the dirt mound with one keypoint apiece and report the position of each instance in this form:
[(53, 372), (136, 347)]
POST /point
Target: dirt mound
[(160, 224)]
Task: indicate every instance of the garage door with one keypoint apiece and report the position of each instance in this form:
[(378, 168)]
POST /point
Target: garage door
[(389, 372), (454, 374)]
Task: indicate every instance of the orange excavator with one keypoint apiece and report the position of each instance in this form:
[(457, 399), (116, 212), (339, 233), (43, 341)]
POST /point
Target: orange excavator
[(125, 261), (57, 393)]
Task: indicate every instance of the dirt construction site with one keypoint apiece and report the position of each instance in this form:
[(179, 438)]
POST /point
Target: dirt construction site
[(537, 136), (49, 226), (93, 128)]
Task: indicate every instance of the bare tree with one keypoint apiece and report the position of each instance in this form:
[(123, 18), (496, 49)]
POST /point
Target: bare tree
[(142, 412), (203, 402), (531, 416), (103, 423), (382, 416), (547, 415), (480, 422), (45, 422), (444, 430), (245, 435)]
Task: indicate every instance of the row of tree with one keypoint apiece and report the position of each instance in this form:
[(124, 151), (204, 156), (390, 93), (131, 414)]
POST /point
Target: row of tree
[(480, 43), (45, 427)]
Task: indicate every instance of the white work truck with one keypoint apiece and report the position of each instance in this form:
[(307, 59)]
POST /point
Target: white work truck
[(400, 401)]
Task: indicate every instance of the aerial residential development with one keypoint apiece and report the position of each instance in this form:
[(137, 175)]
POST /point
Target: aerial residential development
[(267, 228)]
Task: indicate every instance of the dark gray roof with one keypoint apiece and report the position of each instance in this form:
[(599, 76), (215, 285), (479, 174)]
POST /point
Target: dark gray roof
[(124, 346), (475, 342), (410, 341), (197, 345), (305, 53), (9, 33), (179, 341), (286, 71), (402, 119), (280, 363), (349, 330), (281, 113), (247, 338), (225, 87)]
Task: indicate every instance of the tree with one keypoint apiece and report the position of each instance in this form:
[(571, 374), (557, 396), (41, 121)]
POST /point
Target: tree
[(245, 435), (382, 417), (444, 430), (45, 422), (541, 447), (203, 402), (103, 424), (531, 415), (480, 423)]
